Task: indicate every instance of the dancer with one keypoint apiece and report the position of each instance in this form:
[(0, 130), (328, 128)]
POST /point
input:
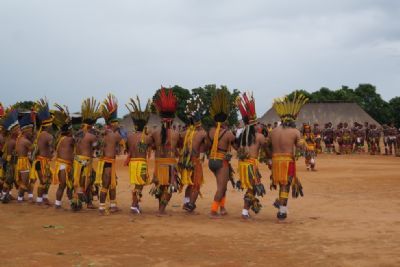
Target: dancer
[(221, 140), (194, 142), (249, 145), (106, 171), (138, 145), (284, 140)]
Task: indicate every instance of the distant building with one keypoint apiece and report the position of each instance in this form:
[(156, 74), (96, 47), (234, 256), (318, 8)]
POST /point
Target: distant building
[(325, 112)]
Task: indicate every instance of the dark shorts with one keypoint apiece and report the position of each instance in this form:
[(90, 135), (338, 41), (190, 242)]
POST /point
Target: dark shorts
[(216, 164)]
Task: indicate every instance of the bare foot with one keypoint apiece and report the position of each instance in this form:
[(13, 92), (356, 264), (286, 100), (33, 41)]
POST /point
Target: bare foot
[(162, 213), (102, 212), (114, 209), (47, 202), (246, 218), (223, 211), (215, 215), (90, 206)]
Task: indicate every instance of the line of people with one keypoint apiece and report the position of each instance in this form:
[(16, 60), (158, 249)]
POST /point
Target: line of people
[(33, 153)]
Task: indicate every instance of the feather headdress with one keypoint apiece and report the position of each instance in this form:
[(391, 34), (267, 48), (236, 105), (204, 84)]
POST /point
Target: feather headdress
[(43, 112), (10, 119), (62, 118), (166, 103), (287, 109), (136, 112), (109, 109), (2, 111), (195, 109), (220, 105), (247, 108), (90, 111)]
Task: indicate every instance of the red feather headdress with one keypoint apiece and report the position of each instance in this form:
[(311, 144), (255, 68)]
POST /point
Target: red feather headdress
[(166, 103), (247, 108)]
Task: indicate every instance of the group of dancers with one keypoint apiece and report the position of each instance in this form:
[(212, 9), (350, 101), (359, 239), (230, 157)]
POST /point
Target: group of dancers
[(45, 147)]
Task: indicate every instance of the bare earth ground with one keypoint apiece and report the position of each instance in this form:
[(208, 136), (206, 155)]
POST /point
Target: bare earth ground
[(350, 216)]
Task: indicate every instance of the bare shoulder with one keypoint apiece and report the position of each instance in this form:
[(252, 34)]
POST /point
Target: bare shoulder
[(260, 138)]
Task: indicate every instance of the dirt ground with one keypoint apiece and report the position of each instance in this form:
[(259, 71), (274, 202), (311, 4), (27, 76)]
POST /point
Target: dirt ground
[(350, 216)]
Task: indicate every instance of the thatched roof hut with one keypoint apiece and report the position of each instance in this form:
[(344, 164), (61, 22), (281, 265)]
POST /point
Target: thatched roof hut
[(322, 113)]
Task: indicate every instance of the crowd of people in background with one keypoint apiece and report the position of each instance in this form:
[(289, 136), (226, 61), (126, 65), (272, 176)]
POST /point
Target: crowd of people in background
[(343, 139)]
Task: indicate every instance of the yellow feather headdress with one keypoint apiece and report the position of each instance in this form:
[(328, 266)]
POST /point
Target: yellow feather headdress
[(220, 105), (90, 110), (62, 118), (287, 109), (136, 111)]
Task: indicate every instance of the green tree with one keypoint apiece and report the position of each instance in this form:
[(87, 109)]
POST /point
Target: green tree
[(373, 104), (206, 95), (395, 110)]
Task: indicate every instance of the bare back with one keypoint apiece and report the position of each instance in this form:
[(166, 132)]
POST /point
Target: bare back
[(226, 138), (133, 144), (111, 142), (198, 142), (169, 149), (284, 140), (254, 149)]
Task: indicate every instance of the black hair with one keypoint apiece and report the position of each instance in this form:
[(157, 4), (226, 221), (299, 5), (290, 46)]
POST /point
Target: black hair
[(164, 127), (248, 136), (139, 124)]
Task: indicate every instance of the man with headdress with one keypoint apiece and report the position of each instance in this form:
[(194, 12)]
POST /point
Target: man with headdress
[(2, 142), (166, 179), (339, 137), (221, 140), (23, 147), (392, 134), (385, 132), (106, 173), (397, 149), (359, 138), (284, 140), (347, 139), (309, 147), (318, 138), (138, 145), (42, 153), (86, 142), (374, 139), (65, 143), (328, 135), (9, 156), (249, 144), (194, 141)]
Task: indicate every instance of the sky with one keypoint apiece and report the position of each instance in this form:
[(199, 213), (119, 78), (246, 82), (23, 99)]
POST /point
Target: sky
[(68, 50)]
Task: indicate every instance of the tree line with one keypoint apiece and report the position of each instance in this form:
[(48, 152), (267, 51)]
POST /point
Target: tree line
[(365, 95)]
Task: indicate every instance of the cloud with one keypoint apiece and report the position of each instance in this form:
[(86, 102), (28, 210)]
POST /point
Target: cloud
[(68, 50)]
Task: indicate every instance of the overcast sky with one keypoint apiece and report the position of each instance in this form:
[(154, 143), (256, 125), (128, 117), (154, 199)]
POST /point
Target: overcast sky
[(68, 50)]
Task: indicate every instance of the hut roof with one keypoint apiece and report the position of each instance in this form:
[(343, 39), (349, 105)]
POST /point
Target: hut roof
[(325, 112)]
